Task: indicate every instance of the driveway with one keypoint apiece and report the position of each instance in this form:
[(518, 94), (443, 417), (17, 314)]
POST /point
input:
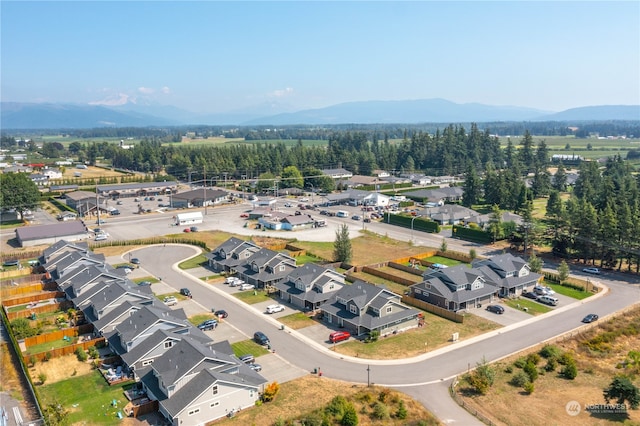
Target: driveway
[(510, 316)]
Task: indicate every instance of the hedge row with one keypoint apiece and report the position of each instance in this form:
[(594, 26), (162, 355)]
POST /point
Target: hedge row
[(476, 235)]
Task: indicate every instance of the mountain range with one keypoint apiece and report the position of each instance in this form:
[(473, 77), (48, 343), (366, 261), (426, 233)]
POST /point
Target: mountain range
[(16, 115)]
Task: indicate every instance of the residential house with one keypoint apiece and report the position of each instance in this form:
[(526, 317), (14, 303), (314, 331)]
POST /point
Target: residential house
[(309, 286), (337, 173), (229, 255), (455, 288), (199, 198), (448, 214), (512, 274), (266, 267), (361, 308), (437, 196), (196, 384), (137, 189)]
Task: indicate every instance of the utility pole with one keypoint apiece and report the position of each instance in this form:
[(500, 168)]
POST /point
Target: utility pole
[(204, 189), (368, 376)]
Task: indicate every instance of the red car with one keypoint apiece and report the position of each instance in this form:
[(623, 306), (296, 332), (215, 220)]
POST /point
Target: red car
[(339, 336), (187, 230)]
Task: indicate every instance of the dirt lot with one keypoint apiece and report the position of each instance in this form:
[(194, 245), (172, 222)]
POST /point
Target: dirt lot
[(90, 172), (505, 404), (61, 368)]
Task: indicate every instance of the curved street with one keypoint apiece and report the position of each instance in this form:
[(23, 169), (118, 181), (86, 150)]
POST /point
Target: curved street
[(426, 377)]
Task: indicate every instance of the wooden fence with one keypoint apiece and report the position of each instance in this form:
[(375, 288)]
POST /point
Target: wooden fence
[(52, 307), (405, 268), (23, 286), (65, 350), (387, 276), (71, 332), (33, 298), (436, 310)]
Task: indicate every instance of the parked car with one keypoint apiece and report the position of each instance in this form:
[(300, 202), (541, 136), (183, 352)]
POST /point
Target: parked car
[(530, 295), (221, 313), (543, 291), (272, 309), (186, 230), (127, 270), (208, 325), (11, 262), (288, 205), (594, 271), (144, 283), (247, 359), (590, 318), (260, 338), (496, 309), (548, 300), (170, 301), (339, 336), (245, 215), (356, 217), (185, 292), (135, 261), (255, 367), (236, 282), (194, 229), (100, 237), (246, 286)]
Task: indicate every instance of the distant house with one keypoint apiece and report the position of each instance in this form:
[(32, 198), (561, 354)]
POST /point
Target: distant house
[(337, 173), (138, 189), (309, 286), (199, 198), (381, 173), (460, 287), (361, 308), (231, 254), (39, 179), (448, 214), (437, 196), (28, 236), (66, 216)]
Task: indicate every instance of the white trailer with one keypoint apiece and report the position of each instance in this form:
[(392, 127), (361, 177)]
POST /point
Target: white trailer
[(188, 218)]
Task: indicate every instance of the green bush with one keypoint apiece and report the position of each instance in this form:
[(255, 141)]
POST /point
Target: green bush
[(402, 412), (551, 365), (519, 379), (550, 351), (350, 417), (380, 410), (81, 354), (337, 406), (569, 371), (531, 371), (533, 358), (508, 369), (520, 362), (529, 388)]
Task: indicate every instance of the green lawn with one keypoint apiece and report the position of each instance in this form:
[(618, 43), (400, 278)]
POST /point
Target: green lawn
[(250, 298), (443, 260), (248, 347), (194, 262), (200, 318), (86, 397), (568, 291), (43, 347), (306, 258), (533, 308), (297, 321)]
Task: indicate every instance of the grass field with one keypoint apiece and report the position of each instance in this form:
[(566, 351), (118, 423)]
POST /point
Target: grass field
[(248, 347), (82, 404), (297, 320)]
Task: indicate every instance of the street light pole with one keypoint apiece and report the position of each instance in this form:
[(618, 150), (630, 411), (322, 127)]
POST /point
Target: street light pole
[(368, 376)]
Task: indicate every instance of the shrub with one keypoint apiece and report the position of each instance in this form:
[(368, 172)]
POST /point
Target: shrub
[(529, 387), (508, 369), (519, 379), (569, 371), (47, 356), (32, 360), (81, 354), (337, 406), (566, 358), (373, 336), (42, 377), (350, 417), (402, 412), (533, 358), (380, 410), (551, 365), (520, 362), (270, 391), (531, 371), (383, 395), (550, 351)]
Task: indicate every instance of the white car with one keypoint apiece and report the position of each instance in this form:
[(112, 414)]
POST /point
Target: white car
[(594, 271), (246, 286), (272, 309), (236, 282), (170, 301)]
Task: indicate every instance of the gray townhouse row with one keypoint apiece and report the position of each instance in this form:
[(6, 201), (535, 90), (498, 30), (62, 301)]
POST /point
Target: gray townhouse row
[(192, 379)]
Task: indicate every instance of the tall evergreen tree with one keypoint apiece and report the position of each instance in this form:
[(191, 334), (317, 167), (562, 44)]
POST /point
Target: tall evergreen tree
[(560, 179), (342, 251), (472, 187)]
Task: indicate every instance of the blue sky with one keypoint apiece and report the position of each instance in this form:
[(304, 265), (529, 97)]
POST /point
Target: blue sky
[(209, 56)]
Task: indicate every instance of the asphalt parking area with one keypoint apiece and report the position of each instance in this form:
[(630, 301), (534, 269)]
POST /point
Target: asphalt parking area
[(509, 317)]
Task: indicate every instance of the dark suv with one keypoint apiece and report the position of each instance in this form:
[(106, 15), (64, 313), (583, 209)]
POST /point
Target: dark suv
[(261, 338), (185, 292)]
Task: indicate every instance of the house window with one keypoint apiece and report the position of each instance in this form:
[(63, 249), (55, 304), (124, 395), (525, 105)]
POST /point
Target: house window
[(417, 291), (215, 404), (215, 389), (389, 309), (281, 268), (341, 301), (255, 267), (195, 411), (147, 362), (168, 344), (331, 286), (300, 286), (353, 309)]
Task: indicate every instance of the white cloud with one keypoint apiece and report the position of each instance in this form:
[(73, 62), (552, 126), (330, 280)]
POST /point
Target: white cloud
[(165, 90), (281, 93), (146, 90)]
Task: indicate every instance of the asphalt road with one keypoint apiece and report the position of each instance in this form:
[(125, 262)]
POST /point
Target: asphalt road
[(424, 377)]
